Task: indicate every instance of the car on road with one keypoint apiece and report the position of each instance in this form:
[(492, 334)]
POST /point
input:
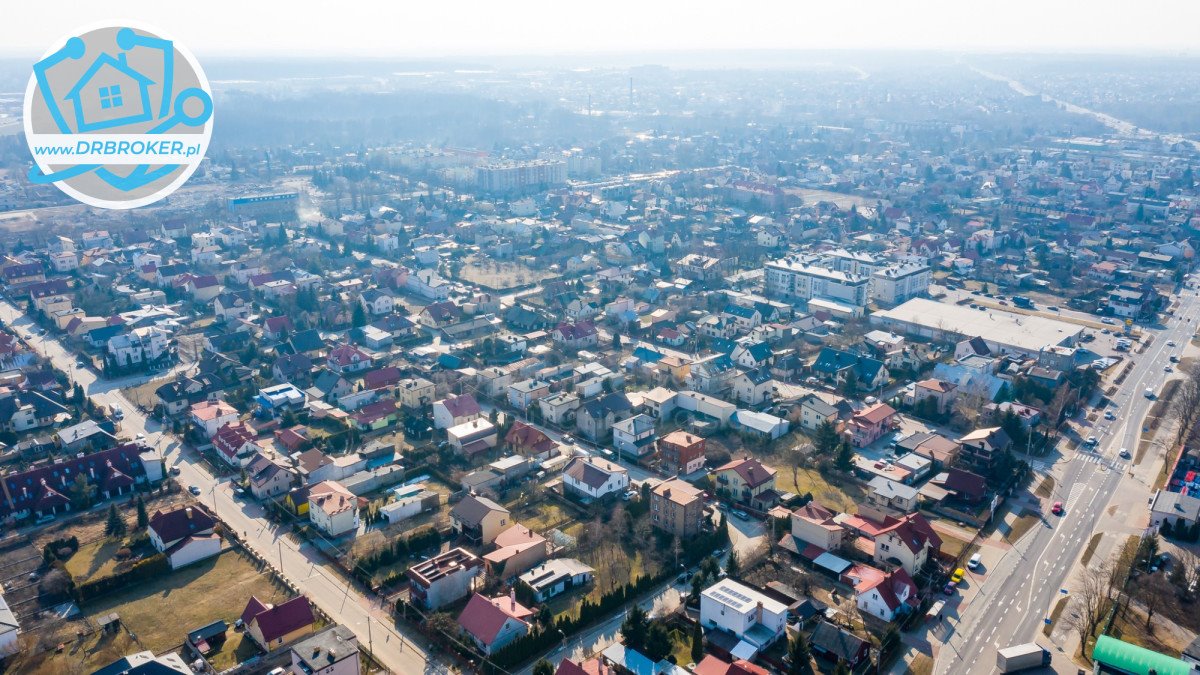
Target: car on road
[(1105, 331), (1124, 453), (1052, 308), (1092, 440), (194, 489), (742, 514), (1057, 509), (958, 575), (1149, 393), (1108, 415), (1166, 369), (975, 561), (1108, 321), (1171, 343)]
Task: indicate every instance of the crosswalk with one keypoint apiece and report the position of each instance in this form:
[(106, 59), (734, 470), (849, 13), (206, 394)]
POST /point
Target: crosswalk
[(1092, 458)]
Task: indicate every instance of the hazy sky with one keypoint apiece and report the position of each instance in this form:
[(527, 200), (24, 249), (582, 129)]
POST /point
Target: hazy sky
[(482, 27)]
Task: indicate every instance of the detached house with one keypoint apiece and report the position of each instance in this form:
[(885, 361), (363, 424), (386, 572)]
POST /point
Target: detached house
[(332, 508), (271, 626), (748, 481), (634, 436), (885, 595), (184, 535), (479, 519), (210, 416), (871, 423), (444, 578), (592, 478), (456, 410), (235, 443), (377, 302), (346, 358), (981, 446), (529, 441), (596, 417), (579, 335), (834, 366), (494, 623)]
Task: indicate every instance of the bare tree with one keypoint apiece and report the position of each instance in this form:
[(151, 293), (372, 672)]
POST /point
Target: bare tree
[(1091, 597), (1151, 592), (1186, 575), (1185, 403)]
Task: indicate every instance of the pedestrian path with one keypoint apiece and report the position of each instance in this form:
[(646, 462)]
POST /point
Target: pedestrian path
[(1093, 458)]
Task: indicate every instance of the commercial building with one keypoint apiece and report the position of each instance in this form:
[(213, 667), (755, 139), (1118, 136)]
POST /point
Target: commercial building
[(1003, 332)]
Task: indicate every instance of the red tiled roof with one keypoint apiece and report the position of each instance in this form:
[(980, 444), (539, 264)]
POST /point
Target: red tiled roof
[(483, 617), (276, 622)]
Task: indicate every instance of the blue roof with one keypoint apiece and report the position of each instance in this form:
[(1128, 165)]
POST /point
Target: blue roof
[(647, 355)]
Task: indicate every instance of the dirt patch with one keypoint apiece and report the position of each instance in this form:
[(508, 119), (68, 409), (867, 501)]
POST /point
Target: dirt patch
[(1045, 488), (1058, 610), (1091, 549)]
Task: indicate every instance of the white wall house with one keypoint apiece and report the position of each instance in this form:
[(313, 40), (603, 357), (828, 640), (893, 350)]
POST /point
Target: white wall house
[(740, 610)]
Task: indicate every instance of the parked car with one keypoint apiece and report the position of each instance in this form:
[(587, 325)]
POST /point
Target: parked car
[(948, 589), (1124, 454), (194, 489), (958, 575), (974, 562), (1108, 415), (174, 471), (741, 514)]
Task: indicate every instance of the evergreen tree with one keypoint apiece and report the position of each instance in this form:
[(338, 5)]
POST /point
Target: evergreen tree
[(733, 567), (842, 668), (359, 317), (635, 628), (543, 667), (143, 520), (1166, 530), (845, 456), (658, 641), (799, 656), (826, 438), (850, 384), (698, 641), (115, 526)]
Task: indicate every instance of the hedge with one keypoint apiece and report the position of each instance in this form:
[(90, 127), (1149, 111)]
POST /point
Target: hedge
[(143, 570)]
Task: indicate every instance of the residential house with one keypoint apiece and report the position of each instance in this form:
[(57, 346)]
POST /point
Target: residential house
[(456, 410), (981, 447), (815, 411), (759, 424), (884, 595), (677, 507), (377, 302), (634, 437), (755, 387), (416, 393), (444, 579), (836, 644), (815, 525), (554, 577), (516, 549), (940, 392), (271, 626), (493, 623), (521, 395), (871, 423), (1175, 508), (332, 508), (333, 651), (474, 437), (269, 478), (529, 441), (744, 612), (559, 408), (747, 481), (681, 452), (479, 519), (835, 366), (595, 417), (346, 358), (578, 335), (236, 444), (210, 416), (184, 535), (890, 497), (591, 477)]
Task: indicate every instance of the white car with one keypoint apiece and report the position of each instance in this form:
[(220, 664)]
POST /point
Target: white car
[(1170, 343), (1108, 415), (1092, 440)]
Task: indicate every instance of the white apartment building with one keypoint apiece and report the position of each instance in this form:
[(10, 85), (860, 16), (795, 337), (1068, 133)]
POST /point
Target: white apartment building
[(795, 279), (745, 612), (901, 282)]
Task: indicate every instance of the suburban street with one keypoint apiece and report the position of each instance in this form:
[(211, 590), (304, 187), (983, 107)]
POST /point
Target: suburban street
[(302, 565), (1020, 591)]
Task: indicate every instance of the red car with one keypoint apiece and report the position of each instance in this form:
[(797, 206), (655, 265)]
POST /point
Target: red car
[(1057, 509)]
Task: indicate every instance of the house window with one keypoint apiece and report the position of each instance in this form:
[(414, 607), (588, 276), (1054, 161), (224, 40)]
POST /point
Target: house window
[(110, 97)]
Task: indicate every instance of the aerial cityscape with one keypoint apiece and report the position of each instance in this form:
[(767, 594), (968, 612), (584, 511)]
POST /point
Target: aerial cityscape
[(585, 362)]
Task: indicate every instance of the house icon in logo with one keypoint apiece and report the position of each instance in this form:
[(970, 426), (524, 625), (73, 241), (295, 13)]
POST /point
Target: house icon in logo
[(110, 94)]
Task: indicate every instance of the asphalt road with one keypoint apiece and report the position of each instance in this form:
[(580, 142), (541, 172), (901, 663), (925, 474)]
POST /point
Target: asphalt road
[(1016, 595), (304, 567)]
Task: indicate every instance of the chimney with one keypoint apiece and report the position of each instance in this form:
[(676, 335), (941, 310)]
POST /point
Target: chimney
[(758, 612), (512, 598)]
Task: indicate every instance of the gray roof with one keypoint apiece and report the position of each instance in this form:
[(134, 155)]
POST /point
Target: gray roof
[(1177, 505)]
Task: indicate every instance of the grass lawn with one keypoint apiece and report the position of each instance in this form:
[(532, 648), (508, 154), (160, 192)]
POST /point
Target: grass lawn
[(213, 589), (1091, 548), (544, 515), (1048, 628), (78, 656), (1020, 526), (1045, 488), (844, 497), (681, 647), (953, 545), (94, 560), (922, 664)]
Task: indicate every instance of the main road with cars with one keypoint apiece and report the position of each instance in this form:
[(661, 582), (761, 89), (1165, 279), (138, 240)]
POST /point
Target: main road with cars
[(1017, 594)]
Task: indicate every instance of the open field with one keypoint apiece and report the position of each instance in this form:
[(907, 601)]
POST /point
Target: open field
[(844, 497), (500, 274), (213, 589), (94, 559)]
